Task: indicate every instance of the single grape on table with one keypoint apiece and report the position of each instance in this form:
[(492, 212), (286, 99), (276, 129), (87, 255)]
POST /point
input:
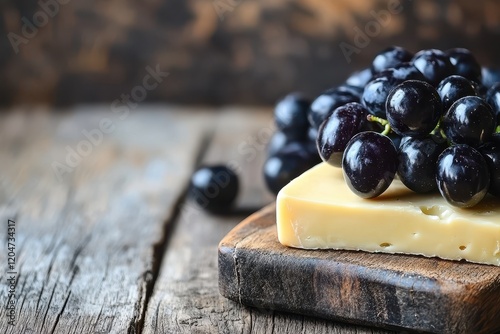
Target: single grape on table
[(214, 188)]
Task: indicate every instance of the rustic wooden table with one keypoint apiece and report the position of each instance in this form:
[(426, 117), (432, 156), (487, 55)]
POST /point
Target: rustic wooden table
[(104, 239)]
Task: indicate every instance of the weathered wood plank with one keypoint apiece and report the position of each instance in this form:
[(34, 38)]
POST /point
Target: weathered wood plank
[(85, 243), (186, 296)]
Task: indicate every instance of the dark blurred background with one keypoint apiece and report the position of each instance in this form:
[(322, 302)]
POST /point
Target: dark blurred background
[(62, 52)]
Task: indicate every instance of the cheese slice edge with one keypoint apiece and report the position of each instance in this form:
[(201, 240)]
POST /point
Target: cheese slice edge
[(317, 210)]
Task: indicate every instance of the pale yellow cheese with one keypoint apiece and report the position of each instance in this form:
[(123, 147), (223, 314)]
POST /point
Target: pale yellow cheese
[(318, 210)]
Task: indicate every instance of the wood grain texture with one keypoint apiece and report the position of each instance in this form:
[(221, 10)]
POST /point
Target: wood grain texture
[(408, 292), (186, 297), (86, 243)]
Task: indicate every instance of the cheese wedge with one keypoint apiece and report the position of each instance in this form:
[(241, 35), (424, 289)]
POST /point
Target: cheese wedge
[(317, 210)]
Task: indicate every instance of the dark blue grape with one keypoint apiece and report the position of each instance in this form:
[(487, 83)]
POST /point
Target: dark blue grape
[(493, 99), (338, 129), (214, 187), (312, 150), (326, 103), (287, 164), (369, 164), (434, 64), (290, 115), (312, 134), (403, 71), (360, 78), (350, 90), (376, 92), (390, 57), (413, 108), (480, 89), (417, 159), (277, 142), (490, 76), (462, 176), (465, 64), (469, 121), (453, 88), (395, 138), (491, 153)]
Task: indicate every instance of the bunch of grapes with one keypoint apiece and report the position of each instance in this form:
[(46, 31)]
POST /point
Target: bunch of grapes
[(431, 118)]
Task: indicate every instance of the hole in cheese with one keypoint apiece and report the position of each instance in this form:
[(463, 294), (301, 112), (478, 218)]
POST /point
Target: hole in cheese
[(462, 247), (385, 244), (435, 210)]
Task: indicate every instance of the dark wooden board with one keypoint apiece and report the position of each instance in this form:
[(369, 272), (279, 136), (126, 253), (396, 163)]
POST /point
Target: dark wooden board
[(385, 290)]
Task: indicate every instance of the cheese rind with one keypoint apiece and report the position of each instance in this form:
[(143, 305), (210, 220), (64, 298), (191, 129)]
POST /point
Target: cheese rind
[(318, 211)]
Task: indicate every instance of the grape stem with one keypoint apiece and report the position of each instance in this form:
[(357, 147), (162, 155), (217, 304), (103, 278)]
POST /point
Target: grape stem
[(433, 132), (381, 121), (438, 129), (387, 129), (443, 135)]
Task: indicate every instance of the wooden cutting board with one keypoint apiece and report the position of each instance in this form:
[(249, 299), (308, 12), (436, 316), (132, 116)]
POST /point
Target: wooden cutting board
[(384, 290)]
